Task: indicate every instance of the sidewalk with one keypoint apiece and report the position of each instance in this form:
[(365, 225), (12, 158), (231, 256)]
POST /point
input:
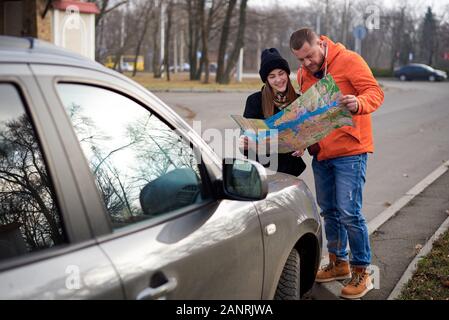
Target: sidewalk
[(397, 241)]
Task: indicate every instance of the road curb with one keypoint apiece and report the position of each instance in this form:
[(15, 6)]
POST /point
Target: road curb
[(391, 211), (331, 290), (413, 266)]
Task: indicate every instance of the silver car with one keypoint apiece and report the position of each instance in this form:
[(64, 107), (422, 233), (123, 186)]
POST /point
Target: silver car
[(106, 193)]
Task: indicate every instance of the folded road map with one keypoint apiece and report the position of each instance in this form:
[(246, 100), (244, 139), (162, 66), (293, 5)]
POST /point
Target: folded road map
[(304, 122)]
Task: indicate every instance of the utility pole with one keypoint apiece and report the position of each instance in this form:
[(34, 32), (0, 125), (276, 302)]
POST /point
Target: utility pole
[(175, 49), (181, 51), (240, 66)]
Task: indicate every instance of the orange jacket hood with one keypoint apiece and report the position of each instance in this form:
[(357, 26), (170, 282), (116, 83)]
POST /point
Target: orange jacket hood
[(353, 77)]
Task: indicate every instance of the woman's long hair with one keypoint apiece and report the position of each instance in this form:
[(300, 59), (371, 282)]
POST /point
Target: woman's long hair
[(268, 98)]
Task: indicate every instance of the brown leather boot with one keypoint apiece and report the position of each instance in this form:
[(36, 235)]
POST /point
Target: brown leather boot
[(335, 270), (359, 285)]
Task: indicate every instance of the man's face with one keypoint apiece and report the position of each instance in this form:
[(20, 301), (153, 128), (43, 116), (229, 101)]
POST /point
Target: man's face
[(311, 55)]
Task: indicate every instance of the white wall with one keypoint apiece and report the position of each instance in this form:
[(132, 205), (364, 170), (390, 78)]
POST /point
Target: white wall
[(74, 31)]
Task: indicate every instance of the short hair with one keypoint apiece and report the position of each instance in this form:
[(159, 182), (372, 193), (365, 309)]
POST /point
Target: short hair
[(301, 36)]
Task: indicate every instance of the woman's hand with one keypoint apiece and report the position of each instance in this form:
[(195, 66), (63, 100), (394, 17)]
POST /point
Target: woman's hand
[(298, 153)]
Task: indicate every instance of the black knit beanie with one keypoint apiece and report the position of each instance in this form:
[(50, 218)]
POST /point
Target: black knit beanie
[(271, 59)]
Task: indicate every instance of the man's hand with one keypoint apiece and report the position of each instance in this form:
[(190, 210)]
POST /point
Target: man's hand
[(298, 153), (350, 102)]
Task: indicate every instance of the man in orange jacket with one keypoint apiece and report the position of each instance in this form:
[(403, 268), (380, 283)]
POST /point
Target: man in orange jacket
[(339, 159)]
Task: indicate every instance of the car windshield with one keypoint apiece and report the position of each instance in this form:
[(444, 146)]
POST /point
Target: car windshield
[(426, 67)]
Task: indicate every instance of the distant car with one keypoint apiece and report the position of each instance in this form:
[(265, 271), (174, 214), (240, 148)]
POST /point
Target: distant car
[(418, 71), (213, 67), (106, 193), (186, 67)]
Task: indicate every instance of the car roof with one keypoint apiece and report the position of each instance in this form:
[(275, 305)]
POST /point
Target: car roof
[(32, 50), (419, 65)]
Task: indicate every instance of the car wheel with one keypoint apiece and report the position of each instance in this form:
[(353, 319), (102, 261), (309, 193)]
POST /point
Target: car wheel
[(402, 77), (432, 78), (289, 284)]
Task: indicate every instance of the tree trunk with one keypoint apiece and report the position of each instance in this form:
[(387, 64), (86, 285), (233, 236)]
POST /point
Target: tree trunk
[(193, 41), (167, 39), (156, 45), (145, 17), (344, 27), (206, 26), (238, 45), (224, 41)]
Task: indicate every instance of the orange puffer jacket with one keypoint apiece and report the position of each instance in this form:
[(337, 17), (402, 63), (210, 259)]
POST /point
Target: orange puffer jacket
[(353, 76)]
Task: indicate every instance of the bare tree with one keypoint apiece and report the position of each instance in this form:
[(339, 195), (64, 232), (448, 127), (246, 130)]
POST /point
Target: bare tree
[(224, 41), (104, 8), (224, 73), (238, 44), (428, 37), (26, 196), (194, 34), (169, 11), (144, 20)]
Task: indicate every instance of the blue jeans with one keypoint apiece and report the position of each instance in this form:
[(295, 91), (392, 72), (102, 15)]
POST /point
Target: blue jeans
[(339, 186)]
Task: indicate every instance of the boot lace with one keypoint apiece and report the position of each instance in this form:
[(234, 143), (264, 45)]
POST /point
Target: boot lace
[(356, 279), (328, 266)]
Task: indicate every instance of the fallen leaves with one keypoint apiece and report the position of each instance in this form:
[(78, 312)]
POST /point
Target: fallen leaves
[(445, 283)]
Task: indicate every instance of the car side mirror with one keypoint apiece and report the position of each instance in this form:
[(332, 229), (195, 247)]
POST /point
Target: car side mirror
[(244, 180)]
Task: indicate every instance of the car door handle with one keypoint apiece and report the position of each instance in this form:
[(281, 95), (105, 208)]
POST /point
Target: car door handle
[(159, 292)]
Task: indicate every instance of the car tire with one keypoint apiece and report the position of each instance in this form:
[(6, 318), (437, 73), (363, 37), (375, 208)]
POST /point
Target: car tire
[(402, 77), (289, 283), (432, 78)]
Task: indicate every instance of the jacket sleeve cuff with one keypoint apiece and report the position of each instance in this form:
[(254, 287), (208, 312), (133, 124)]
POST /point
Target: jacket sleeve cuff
[(360, 108)]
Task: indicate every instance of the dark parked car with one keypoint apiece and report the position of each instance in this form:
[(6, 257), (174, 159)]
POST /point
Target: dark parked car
[(419, 72), (105, 192)]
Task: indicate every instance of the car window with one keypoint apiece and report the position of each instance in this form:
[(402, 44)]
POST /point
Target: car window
[(142, 167), (420, 69), (29, 217)]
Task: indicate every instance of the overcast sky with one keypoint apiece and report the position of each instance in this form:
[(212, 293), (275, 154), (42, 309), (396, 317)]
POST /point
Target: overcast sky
[(439, 6)]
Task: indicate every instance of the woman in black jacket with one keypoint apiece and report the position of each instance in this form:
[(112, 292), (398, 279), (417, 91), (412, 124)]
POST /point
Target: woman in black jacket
[(276, 94)]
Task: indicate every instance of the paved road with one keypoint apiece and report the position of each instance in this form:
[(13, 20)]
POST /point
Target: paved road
[(411, 133)]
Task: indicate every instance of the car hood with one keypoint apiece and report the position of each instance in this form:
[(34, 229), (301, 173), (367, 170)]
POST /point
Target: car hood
[(441, 73)]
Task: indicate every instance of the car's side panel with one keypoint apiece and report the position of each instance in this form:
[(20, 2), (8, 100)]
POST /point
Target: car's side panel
[(78, 269), (213, 252), (82, 274), (290, 207)]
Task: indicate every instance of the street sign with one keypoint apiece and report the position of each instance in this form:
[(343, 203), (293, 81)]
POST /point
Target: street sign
[(359, 32)]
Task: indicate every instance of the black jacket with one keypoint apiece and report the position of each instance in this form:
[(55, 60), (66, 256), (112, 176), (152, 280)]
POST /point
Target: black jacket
[(286, 162)]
